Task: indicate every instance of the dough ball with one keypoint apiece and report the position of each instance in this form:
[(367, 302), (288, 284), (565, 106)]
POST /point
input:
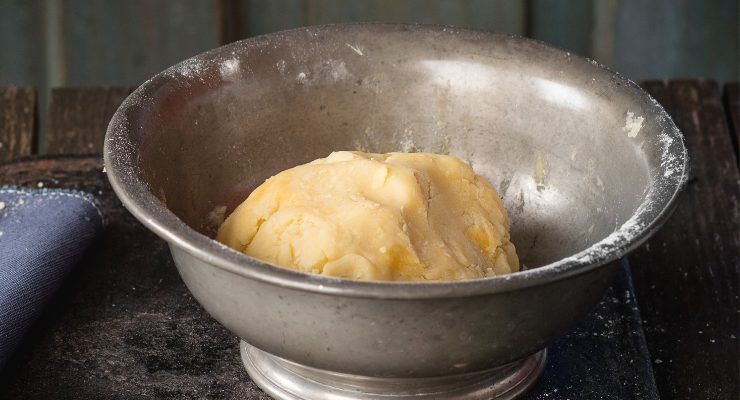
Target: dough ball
[(390, 217)]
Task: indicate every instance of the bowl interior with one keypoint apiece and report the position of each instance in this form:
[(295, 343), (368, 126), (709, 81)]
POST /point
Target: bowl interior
[(572, 148)]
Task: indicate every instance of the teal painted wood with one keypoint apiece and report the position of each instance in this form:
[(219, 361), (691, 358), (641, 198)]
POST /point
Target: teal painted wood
[(646, 39), (50, 43), (569, 25), (81, 42), (493, 15), (21, 42), (602, 38), (269, 16), (120, 42), (123, 42), (680, 39)]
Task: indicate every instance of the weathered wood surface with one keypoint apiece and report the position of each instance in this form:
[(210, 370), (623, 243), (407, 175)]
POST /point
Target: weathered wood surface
[(122, 42), (78, 118), (667, 38), (17, 122), (571, 27), (21, 42), (496, 15), (732, 106), (687, 275)]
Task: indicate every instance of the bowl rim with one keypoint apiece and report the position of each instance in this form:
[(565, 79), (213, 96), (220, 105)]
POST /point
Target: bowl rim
[(121, 165)]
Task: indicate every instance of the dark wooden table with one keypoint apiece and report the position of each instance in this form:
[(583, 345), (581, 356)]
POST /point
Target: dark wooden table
[(687, 276)]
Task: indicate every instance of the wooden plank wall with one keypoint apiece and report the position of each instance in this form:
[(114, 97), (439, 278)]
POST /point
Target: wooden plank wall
[(78, 118), (17, 122), (52, 43), (21, 42), (122, 42), (497, 15)]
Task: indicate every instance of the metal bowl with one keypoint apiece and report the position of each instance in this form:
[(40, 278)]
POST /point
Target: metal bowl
[(588, 164)]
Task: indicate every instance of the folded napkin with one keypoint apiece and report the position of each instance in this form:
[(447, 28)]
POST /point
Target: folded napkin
[(43, 234)]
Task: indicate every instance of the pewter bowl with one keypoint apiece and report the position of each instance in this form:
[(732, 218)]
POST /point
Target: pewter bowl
[(588, 165)]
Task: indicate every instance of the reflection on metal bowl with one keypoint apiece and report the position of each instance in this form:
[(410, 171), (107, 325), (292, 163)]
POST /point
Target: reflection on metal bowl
[(587, 163)]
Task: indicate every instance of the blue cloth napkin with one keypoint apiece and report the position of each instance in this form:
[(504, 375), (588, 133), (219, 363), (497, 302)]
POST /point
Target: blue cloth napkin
[(43, 234)]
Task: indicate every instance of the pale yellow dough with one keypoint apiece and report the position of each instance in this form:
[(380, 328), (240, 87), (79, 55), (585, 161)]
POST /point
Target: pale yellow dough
[(391, 217)]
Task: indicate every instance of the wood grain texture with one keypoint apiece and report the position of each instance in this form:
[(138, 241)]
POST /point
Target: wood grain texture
[(687, 275), (78, 118), (668, 38), (124, 42), (570, 27), (732, 106), (230, 19), (21, 41), (17, 122), (121, 42), (494, 15)]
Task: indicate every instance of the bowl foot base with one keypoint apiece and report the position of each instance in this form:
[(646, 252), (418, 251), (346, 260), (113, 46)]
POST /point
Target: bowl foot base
[(285, 380)]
